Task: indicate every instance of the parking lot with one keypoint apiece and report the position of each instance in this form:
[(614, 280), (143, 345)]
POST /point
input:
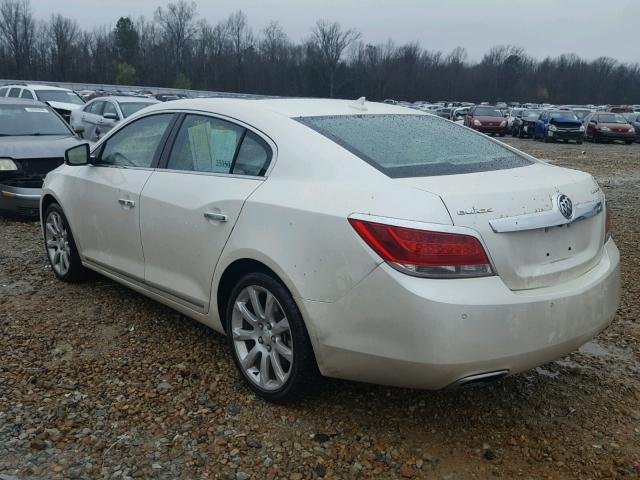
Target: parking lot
[(96, 380)]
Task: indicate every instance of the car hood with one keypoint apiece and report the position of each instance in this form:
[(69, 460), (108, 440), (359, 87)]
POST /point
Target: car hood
[(615, 126), (33, 146), (566, 122), (64, 106), (484, 118)]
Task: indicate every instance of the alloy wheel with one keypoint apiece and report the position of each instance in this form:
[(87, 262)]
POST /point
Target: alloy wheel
[(57, 242), (262, 338)]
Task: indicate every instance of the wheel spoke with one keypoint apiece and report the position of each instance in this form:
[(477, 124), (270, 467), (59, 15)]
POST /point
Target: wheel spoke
[(284, 351), (277, 367), (51, 244), (64, 261), (264, 369), (56, 222), (281, 327), (56, 257), (51, 229), (242, 335), (250, 358), (269, 305), (246, 314), (255, 302)]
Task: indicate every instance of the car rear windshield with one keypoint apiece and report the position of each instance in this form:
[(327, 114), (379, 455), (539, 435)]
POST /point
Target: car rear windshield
[(30, 120), (487, 112), (407, 145), (611, 118), (62, 96), (129, 108)]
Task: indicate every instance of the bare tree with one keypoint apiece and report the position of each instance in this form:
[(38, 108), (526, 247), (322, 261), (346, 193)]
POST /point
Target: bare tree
[(17, 28), (328, 42), (62, 35), (177, 21)]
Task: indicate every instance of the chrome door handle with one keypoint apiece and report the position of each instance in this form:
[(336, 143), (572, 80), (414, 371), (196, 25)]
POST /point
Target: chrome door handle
[(220, 217), (126, 203)]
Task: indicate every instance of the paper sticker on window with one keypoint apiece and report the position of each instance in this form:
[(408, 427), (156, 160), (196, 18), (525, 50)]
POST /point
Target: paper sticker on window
[(224, 143), (200, 148), (36, 110)]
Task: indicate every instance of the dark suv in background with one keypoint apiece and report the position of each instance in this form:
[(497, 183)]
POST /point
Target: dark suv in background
[(562, 125)]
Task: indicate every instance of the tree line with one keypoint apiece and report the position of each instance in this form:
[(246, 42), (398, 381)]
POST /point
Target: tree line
[(179, 48)]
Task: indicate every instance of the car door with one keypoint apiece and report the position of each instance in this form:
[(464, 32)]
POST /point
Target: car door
[(90, 118), (188, 209), (104, 198), (108, 119)]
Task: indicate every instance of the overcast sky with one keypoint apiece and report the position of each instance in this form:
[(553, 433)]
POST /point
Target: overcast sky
[(590, 28)]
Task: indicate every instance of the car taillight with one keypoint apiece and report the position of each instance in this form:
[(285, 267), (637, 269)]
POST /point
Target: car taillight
[(425, 253), (607, 224)]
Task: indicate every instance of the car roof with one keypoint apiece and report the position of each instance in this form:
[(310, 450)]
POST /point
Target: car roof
[(127, 99), (21, 101), (287, 107), (36, 87)]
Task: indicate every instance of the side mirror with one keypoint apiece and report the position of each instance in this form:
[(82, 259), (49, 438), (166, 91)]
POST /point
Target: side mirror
[(78, 155), (110, 116)]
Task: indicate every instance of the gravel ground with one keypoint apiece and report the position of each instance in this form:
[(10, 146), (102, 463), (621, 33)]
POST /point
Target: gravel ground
[(97, 381)]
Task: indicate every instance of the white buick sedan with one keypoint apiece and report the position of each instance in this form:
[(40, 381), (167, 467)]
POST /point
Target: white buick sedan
[(359, 240)]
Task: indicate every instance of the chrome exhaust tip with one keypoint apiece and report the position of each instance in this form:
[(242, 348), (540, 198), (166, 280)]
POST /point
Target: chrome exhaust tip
[(479, 379)]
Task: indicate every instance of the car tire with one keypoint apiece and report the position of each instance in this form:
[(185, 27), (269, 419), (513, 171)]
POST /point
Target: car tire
[(628, 142), (546, 139), (579, 142), (60, 246), (595, 139), (270, 346), (502, 134)]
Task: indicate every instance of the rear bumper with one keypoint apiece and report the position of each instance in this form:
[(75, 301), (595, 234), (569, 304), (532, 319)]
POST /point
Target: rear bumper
[(20, 201), (399, 330)]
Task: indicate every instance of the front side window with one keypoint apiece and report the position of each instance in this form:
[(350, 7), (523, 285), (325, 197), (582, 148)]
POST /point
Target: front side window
[(30, 120), (14, 92), (110, 108), (136, 144), (129, 108), (205, 144), (95, 107), (415, 145)]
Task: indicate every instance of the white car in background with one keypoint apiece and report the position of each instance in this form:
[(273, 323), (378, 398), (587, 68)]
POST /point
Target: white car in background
[(362, 240), (62, 100), (101, 114)]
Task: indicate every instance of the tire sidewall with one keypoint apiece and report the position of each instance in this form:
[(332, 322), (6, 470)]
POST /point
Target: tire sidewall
[(76, 270), (303, 365)]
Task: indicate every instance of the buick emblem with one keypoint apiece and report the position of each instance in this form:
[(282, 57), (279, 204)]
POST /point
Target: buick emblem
[(565, 206)]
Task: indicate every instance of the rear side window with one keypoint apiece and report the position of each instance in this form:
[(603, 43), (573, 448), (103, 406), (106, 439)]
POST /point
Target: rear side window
[(405, 145), (211, 145), (14, 92), (26, 94)]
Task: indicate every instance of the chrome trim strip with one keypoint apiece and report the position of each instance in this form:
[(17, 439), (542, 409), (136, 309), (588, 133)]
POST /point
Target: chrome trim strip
[(20, 196), (141, 283), (546, 218)]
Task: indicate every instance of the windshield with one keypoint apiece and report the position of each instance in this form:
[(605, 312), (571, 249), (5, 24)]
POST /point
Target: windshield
[(487, 112), (531, 113), (415, 145), (563, 115), (62, 96), (129, 108), (611, 118), (632, 117), (30, 120)]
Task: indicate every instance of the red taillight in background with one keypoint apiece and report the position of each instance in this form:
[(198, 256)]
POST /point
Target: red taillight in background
[(425, 253)]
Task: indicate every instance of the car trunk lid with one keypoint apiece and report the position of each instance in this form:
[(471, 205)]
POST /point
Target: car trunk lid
[(530, 258)]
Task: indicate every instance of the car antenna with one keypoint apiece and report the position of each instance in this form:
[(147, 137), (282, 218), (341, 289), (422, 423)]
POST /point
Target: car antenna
[(359, 104)]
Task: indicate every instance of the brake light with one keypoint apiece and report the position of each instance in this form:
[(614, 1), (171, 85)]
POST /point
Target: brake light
[(425, 253)]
